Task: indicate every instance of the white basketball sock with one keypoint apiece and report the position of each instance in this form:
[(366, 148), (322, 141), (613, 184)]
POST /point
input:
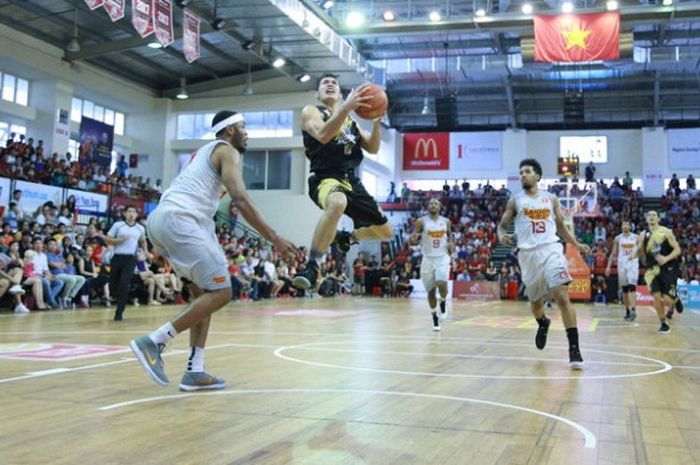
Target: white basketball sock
[(164, 334), (196, 360)]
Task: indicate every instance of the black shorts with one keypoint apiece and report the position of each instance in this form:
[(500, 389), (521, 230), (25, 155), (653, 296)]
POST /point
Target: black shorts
[(665, 281), (362, 207)]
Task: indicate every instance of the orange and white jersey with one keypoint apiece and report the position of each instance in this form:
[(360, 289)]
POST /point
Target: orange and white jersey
[(434, 237), (626, 247), (535, 225)]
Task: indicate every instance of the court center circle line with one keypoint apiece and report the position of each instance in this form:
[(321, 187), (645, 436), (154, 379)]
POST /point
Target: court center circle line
[(279, 353), (589, 437)]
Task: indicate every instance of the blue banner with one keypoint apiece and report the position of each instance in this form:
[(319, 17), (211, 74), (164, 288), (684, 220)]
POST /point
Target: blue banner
[(690, 295), (96, 141)]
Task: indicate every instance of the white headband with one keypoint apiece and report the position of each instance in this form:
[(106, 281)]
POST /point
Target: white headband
[(233, 119)]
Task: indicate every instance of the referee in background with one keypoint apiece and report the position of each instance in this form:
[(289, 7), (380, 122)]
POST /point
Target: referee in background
[(125, 236)]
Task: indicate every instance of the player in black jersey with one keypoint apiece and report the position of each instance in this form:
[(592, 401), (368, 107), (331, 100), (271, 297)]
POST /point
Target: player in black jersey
[(660, 249), (334, 144)]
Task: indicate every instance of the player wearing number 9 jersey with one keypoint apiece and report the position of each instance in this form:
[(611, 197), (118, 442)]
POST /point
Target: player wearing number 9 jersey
[(538, 220), (435, 234)]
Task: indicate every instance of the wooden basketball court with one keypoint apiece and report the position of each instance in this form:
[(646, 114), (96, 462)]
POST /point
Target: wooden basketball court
[(353, 381)]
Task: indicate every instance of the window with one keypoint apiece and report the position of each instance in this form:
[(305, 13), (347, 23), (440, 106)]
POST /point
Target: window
[(73, 146), (8, 87), (22, 94), (4, 132), (279, 169), (254, 170), (261, 124), (18, 130), (80, 108), (7, 128)]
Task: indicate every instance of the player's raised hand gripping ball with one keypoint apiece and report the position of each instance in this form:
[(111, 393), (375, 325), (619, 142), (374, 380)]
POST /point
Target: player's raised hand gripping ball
[(376, 103)]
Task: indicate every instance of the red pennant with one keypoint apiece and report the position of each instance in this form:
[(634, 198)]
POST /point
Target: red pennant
[(94, 4), (163, 21), (584, 37), (190, 36), (142, 17), (115, 9)]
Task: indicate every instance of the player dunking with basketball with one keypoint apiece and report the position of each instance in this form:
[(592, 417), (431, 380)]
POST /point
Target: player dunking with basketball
[(538, 220), (625, 248), (181, 228), (334, 145), (435, 233)]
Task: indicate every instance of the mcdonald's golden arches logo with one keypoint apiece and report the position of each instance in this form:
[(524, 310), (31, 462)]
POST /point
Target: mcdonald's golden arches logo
[(424, 148)]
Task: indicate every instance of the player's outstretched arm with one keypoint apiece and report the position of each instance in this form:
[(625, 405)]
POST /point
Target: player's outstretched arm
[(371, 142), (312, 121), (502, 232), (563, 232), (613, 254), (231, 168)]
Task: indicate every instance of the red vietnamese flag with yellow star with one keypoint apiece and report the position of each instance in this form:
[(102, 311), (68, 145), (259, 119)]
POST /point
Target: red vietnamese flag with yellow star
[(583, 37)]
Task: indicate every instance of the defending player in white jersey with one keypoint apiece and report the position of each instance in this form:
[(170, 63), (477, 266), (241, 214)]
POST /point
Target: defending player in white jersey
[(435, 234), (625, 249), (182, 229), (538, 220)]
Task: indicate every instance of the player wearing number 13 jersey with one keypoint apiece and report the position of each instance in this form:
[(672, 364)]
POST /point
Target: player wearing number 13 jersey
[(435, 232), (538, 220)]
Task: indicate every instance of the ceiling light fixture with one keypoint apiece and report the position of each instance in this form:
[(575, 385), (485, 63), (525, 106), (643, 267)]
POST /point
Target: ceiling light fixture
[(328, 4), (304, 77), (182, 94), (527, 8), (279, 62), (248, 90), (611, 5), (73, 45), (426, 109), (434, 16), (567, 7), (155, 44), (388, 16), (355, 19), (667, 2), (218, 23), (480, 13)]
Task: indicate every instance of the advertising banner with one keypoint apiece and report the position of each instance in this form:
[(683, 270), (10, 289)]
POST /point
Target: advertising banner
[(142, 17), (94, 4), (475, 151), (477, 290), (115, 9), (36, 195), (88, 201), (163, 21), (426, 151), (683, 149), (96, 142), (419, 291), (190, 36), (580, 287)]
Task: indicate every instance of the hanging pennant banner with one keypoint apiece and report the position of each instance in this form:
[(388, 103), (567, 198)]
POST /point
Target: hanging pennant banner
[(190, 36), (94, 4), (163, 21), (115, 9), (142, 17)]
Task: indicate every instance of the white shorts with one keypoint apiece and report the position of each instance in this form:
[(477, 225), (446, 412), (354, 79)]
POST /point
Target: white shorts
[(433, 270), (191, 246), (543, 269), (628, 273)]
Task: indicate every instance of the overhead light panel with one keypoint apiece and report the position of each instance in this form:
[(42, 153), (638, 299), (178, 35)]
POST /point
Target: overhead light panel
[(567, 7), (154, 44), (279, 62), (182, 94), (355, 19), (388, 16), (328, 4), (434, 16), (480, 13), (304, 77), (667, 2), (611, 5), (527, 8), (218, 23)]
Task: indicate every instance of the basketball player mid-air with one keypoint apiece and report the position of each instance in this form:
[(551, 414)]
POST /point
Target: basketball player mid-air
[(625, 248), (334, 144), (435, 233), (538, 220), (181, 229)]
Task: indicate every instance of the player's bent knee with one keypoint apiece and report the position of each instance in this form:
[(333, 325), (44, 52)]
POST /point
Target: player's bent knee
[(336, 203), (223, 296)]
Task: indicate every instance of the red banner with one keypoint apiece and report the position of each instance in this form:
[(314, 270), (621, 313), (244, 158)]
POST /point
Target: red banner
[(644, 297), (163, 21), (584, 37), (142, 17), (580, 287), (476, 290), (426, 151), (115, 9), (120, 202), (94, 4), (190, 36)]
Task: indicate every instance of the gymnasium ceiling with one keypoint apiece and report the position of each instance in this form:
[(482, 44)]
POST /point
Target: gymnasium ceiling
[(488, 63)]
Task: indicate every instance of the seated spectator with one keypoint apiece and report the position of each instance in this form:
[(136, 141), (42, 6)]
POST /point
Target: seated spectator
[(72, 283), (10, 281), (96, 278), (52, 286)]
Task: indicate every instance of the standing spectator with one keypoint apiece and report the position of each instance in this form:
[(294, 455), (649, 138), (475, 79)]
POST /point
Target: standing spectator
[(675, 184), (126, 237), (13, 216), (122, 166), (590, 172), (627, 181), (358, 274), (690, 183), (600, 233), (405, 193)]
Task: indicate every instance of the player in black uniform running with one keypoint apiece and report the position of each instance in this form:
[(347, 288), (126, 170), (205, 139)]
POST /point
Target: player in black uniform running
[(334, 144)]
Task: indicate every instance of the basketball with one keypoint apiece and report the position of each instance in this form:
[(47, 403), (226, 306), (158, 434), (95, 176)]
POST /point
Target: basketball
[(377, 104)]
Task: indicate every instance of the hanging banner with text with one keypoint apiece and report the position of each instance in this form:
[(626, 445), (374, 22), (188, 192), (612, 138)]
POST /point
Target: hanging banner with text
[(94, 4), (190, 36), (426, 151), (96, 141), (163, 21), (36, 195), (475, 151), (142, 17), (477, 290), (5, 191), (683, 149), (88, 201), (115, 9)]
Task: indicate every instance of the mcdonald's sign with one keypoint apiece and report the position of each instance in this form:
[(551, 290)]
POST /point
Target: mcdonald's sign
[(426, 151)]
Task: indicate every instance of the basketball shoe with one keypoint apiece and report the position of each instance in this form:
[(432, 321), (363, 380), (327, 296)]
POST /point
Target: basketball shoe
[(542, 330), (200, 381), (148, 353), (307, 278)]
